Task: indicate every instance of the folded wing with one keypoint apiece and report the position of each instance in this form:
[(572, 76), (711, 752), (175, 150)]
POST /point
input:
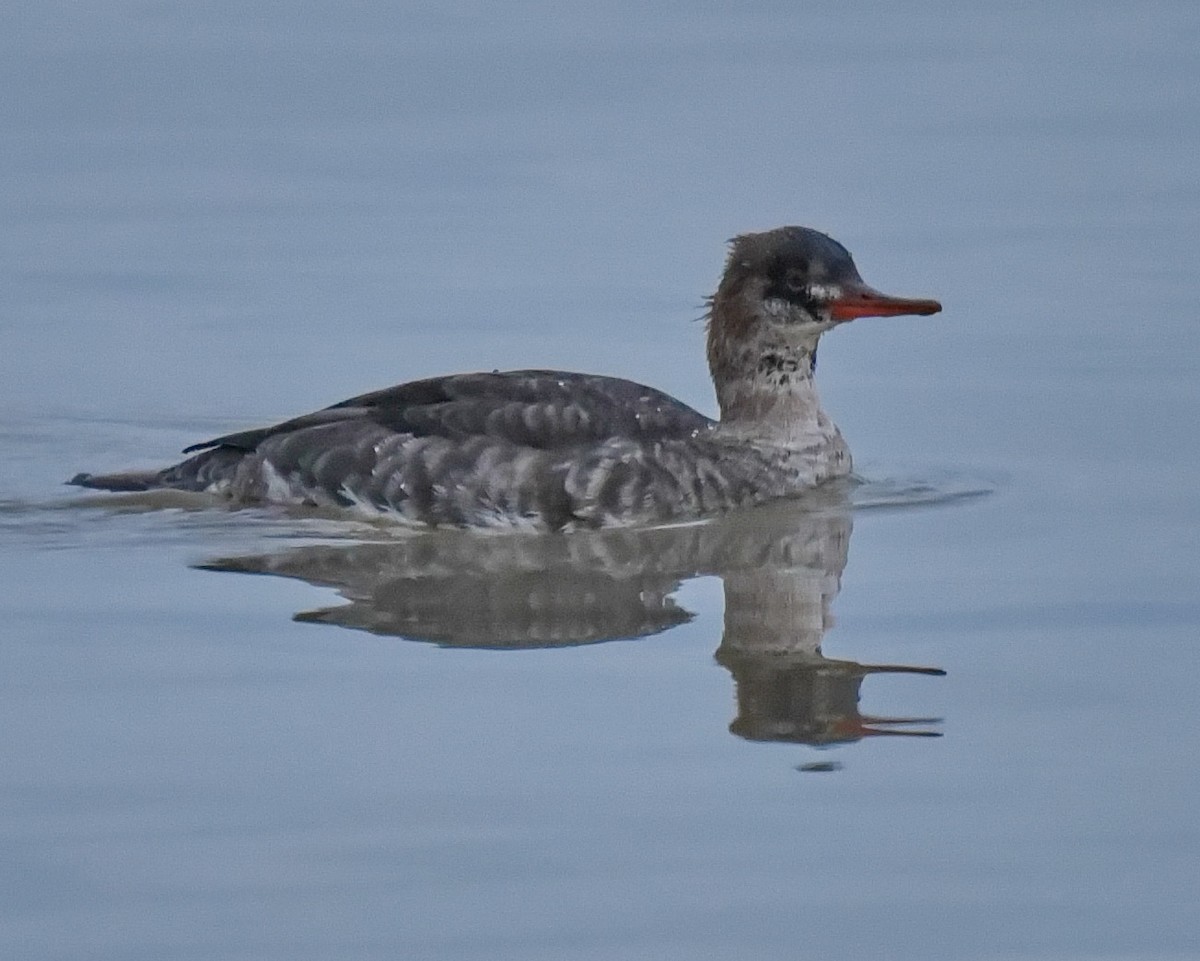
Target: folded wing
[(539, 409)]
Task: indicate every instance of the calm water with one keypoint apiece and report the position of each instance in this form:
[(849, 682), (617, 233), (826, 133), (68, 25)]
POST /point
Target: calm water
[(225, 213)]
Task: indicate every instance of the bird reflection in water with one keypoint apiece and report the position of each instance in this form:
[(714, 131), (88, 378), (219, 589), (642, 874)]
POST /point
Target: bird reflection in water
[(781, 566)]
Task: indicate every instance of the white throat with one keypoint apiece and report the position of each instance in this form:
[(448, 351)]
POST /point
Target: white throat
[(766, 391)]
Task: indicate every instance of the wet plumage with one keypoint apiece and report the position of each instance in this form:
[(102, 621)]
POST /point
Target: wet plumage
[(553, 450)]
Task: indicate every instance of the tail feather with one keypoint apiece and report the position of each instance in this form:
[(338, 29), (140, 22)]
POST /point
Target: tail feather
[(207, 471), (123, 481)]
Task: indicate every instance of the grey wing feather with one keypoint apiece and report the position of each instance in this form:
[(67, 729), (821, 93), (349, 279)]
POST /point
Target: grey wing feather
[(551, 447), (542, 409)]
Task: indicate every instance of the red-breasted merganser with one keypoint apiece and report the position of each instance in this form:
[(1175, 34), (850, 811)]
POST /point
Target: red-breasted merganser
[(551, 450)]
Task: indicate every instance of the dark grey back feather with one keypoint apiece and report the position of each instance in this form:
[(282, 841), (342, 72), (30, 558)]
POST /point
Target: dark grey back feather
[(543, 409), (547, 448)]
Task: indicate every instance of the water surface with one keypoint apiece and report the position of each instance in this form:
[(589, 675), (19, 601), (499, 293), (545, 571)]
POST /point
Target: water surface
[(663, 745)]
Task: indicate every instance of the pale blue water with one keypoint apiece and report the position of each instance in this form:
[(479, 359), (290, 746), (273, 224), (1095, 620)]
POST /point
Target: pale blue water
[(225, 213)]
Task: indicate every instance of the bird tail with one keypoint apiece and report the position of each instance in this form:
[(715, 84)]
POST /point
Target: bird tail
[(123, 481), (206, 471)]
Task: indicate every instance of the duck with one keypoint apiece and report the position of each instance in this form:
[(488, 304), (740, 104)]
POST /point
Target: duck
[(559, 451)]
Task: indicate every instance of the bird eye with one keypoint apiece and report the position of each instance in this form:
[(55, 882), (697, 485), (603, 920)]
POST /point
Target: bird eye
[(796, 279)]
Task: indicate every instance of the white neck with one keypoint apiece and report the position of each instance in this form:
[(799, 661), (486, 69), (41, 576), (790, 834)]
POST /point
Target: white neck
[(766, 392)]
